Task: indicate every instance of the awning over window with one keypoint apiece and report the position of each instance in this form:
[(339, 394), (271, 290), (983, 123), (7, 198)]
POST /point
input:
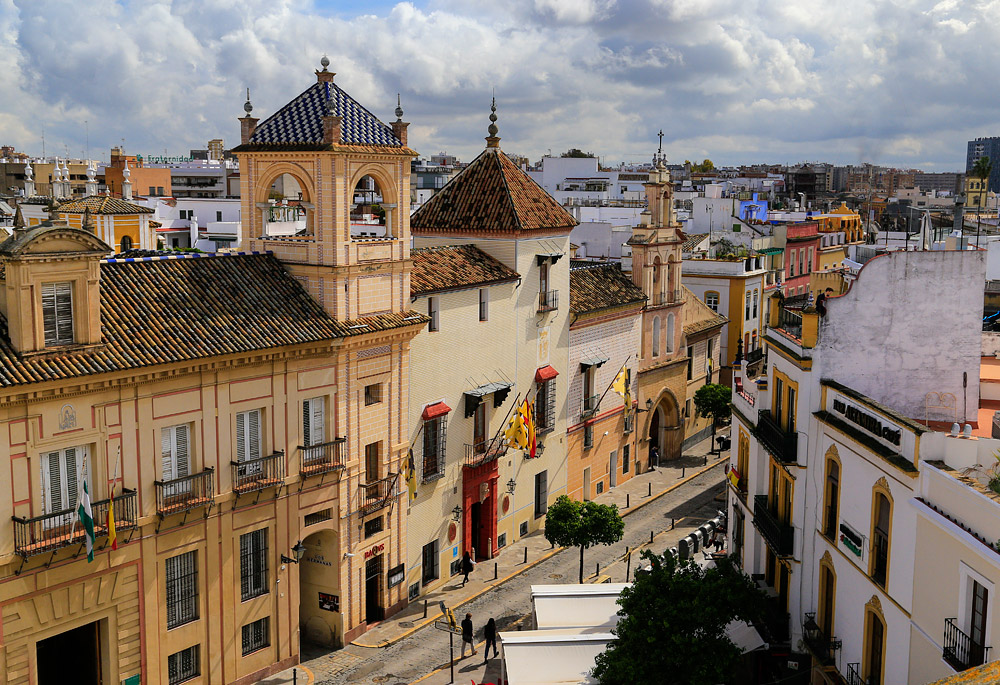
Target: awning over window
[(546, 373), (592, 359), (474, 397), (432, 411), (552, 257), (768, 251)]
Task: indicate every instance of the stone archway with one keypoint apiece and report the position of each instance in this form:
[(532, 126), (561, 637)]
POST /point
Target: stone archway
[(321, 621), (373, 204), (665, 429), (284, 199)]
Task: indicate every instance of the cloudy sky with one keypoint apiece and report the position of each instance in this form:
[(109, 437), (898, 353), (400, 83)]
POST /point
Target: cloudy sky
[(904, 83)]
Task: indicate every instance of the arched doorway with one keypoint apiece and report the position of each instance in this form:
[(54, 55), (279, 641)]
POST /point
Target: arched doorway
[(654, 438), (370, 216), (320, 603), (666, 430), (287, 212)]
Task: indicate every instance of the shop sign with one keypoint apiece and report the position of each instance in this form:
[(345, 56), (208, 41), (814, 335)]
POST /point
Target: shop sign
[(869, 422), (377, 549), (318, 559), (850, 539), (328, 602), (396, 575)]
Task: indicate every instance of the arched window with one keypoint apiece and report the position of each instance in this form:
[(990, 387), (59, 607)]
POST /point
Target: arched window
[(881, 534), (831, 508), (656, 336), (874, 646), (827, 597), (747, 317), (670, 332), (126, 243), (755, 292)]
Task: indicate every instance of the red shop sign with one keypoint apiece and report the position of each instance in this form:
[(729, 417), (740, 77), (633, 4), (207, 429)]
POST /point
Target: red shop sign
[(377, 549)]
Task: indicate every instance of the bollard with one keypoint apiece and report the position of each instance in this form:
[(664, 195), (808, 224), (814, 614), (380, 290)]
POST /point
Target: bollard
[(295, 675), (627, 500), (650, 537), (425, 608), (494, 570), (489, 548), (598, 571), (628, 565), (552, 546), (526, 555), (671, 523), (649, 490), (682, 471), (705, 462)]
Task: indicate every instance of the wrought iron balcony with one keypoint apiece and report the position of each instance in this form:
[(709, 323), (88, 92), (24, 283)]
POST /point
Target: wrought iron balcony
[(779, 536), (821, 645), (323, 458), (854, 675), (960, 650), (548, 301), (755, 355), (776, 440), (377, 494), (257, 474), (185, 493), (49, 532), (790, 322), (482, 453)]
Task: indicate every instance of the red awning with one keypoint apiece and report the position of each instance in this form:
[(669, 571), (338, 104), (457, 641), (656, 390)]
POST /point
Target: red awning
[(546, 373), (432, 411)]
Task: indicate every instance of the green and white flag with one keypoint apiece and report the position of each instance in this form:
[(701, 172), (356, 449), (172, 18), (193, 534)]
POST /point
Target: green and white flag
[(86, 517)]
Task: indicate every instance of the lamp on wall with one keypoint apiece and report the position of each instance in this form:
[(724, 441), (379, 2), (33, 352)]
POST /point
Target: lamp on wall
[(511, 486), (298, 551), (456, 513)]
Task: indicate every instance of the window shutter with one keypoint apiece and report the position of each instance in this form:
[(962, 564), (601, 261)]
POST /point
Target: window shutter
[(254, 429), (167, 452), (318, 429), (52, 482), (306, 423), (181, 460), (71, 476), (241, 436), (64, 312), (49, 311)]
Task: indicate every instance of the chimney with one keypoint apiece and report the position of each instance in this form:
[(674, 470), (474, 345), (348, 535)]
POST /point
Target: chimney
[(399, 130), (331, 129), (248, 124)]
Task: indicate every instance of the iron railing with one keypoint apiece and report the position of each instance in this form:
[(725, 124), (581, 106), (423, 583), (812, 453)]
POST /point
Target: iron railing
[(482, 453), (960, 650), (257, 474), (590, 404), (548, 300), (377, 494), (776, 440), (755, 355), (821, 645), (185, 493), (779, 536), (790, 322), (322, 458), (854, 675), (49, 532)]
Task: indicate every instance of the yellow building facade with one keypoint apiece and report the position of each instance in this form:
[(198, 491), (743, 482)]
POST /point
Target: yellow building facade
[(122, 224), (246, 416)]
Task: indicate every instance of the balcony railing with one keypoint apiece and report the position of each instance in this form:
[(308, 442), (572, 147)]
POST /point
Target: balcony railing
[(668, 297), (482, 453), (755, 355), (185, 493), (821, 645), (777, 441), (790, 322), (548, 301), (377, 494), (322, 458), (961, 651), (590, 404), (854, 675), (779, 536), (257, 474), (49, 532)]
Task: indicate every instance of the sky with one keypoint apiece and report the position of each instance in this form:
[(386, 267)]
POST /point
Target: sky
[(903, 83)]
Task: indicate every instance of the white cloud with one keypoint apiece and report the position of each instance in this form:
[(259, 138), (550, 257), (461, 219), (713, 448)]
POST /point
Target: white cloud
[(904, 82)]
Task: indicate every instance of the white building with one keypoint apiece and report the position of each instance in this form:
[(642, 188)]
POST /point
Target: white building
[(209, 224), (580, 180)]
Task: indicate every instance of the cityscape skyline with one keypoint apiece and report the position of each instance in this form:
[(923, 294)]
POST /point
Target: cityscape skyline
[(601, 75)]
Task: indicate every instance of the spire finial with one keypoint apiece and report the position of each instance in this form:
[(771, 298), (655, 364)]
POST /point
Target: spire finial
[(247, 107), (493, 140), (87, 225), (18, 219), (324, 62), (660, 134), (399, 109)]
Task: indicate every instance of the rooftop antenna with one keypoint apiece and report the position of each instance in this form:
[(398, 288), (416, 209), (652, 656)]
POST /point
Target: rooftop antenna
[(43, 143)]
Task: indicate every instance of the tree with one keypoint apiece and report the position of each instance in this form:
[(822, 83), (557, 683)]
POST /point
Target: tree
[(578, 153), (981, 170), (713, 400), (672, 624), (569, 523)]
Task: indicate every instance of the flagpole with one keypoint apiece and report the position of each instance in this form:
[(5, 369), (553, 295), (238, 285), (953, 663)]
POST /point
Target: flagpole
[(613, 379), (503, 424)]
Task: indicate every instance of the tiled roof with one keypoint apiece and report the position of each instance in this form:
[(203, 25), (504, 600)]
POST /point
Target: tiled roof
[(692, 241), (158, 310), (593, 287), (698, 316), (451, 267), (491, 196), (301, 120), (102, 204)]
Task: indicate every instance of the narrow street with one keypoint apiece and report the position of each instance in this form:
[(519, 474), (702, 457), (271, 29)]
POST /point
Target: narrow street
[(426, 650)]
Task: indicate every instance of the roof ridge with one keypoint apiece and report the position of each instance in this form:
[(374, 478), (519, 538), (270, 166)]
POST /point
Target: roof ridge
[(185, 255), (506, 186)]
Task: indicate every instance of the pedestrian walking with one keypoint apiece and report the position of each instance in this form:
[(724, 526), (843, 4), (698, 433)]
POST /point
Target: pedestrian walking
[(654, 457), (467, 567), (491, 639), (467, 638)]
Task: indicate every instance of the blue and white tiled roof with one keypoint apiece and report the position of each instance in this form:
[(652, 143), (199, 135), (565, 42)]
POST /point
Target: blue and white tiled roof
[(300, 121)]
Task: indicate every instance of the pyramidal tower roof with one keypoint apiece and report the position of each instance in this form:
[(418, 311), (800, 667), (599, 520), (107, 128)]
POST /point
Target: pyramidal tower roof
[(491, 197)]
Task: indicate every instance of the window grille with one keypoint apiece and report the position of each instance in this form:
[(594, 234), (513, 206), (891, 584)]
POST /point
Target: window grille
[(435, 433), (184, 665), (501, 540), (256, 635), (545, 406), (373, 526), (373, 394), (182, 589), (317, 517), (253, 564)]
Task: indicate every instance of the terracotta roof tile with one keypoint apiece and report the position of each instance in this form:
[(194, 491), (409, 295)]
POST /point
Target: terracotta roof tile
[(491, 196), (698, 316), (593, 287), (162, 310), (102, 204), (447, 268)]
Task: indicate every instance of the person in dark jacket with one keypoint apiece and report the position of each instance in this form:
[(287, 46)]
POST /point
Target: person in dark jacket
[(467, 638), (467, 567), (491, 639)]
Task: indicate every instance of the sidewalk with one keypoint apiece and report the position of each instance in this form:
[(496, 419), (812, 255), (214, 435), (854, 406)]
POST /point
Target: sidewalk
[(636, 492)]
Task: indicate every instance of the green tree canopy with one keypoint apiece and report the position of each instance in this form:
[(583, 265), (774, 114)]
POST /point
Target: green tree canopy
[(672, 624), (569, 523), (982, 168), (576, 152), (713, 400)]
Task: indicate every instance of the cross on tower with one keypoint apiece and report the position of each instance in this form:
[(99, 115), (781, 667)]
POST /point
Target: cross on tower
[(660, 134)]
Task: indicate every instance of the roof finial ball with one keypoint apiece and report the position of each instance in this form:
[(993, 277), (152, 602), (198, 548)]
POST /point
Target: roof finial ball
[(493, 140), (399, 109), (324, 76), (247, 107), (324, 62)]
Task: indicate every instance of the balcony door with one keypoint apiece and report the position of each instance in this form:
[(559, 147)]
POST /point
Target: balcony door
[(874, 649), (63, 471), (248, 442), (977, 625), (175, 457), (479, 428)]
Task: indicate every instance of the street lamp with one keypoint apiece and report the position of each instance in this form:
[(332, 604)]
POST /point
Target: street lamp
[(298, 551), (456, 513), (511, 486)]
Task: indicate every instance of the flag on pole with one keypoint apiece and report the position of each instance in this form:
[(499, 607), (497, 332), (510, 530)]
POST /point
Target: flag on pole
[(734, 477), (112, 532), (86, 517), (528, 417), (623, 386), (516, 435), (411, 475)]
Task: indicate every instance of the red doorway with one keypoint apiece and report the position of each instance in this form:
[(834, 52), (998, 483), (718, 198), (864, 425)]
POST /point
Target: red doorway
[(479, 525)]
